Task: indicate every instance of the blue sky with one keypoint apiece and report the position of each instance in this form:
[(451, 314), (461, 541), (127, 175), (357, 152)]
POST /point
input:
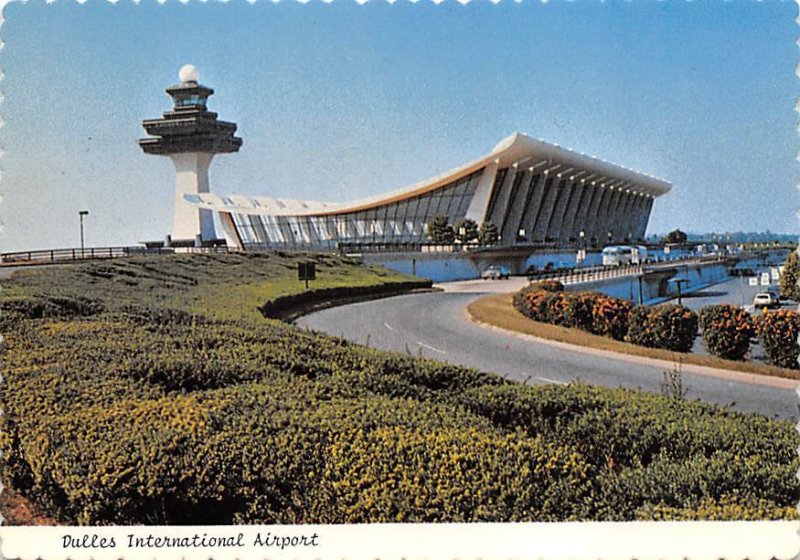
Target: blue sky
[(340, 101)]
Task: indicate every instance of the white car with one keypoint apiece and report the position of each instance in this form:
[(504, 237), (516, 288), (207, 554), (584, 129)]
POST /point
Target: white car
[(496, 273), (766, 299)]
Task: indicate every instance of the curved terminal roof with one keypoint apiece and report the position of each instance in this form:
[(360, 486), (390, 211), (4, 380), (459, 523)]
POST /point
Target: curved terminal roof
[(517, 149)]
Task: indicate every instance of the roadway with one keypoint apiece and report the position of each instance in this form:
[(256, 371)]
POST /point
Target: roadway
[(436, 325)]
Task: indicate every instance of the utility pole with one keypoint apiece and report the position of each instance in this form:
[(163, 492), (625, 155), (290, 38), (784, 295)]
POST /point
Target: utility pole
[(81, 214)]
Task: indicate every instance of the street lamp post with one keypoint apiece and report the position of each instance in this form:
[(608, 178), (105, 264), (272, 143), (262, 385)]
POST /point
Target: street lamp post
[(81, 214), (581, 247)]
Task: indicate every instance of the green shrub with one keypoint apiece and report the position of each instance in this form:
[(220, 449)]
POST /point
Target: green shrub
[(546, 286), (401, 475), (51, 306), (153, 414), (726, 508), (692, 482), (727, 331), (671, 327), (778, 334)]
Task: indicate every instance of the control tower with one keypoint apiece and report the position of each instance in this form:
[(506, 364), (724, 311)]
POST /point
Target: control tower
[(190, 135)]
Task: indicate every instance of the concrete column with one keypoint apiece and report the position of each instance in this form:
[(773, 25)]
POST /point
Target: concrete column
[(479, 204), (519, 193), (644, 217), (635, 214), (229, 230), (587, 215), (627, 213), (604, 224), (556, 227), (581, 210), (614, 216), (191, 177), (595, 219), (552, 188), (503, 196), (536, 197)]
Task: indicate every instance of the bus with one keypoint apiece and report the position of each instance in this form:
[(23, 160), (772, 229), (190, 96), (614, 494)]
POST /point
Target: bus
[(619, 255)]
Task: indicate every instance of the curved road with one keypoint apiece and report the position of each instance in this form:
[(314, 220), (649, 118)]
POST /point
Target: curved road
[(435, 325)]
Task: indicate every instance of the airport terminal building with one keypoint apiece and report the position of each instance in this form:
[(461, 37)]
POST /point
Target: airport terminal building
[(533, 192)]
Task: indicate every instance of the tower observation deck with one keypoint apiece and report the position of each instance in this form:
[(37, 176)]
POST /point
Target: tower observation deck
[(190, 135)]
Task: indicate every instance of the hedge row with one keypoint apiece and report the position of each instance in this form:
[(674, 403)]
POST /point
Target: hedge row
[(142, 417), (671, 327), (283, 306), (727, 330)]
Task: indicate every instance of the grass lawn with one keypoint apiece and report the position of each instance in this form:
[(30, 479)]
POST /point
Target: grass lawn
[(498, 310), (219, 286)]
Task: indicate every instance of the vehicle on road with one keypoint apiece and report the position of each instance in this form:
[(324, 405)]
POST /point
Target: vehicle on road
[(496, 272), (766, 299), (619, 255)]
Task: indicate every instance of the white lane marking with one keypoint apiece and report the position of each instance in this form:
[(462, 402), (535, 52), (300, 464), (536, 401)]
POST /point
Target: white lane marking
[(431, 348), (388, 326), (550, 380)]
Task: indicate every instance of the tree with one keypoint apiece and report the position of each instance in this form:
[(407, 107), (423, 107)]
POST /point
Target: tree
[(439, 230), (488, 234), (676, 236), (466, 230), (789, 278)]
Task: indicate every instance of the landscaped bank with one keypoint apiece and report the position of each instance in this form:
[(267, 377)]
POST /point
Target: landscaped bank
[(153, 391)]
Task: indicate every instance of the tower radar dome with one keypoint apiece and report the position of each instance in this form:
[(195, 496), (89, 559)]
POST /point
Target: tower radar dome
[(188, 73)]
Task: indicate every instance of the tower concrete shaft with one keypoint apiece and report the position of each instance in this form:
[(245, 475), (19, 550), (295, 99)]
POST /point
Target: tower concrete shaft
[(191, 177)]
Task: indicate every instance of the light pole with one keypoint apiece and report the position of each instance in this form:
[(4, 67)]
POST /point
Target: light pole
[(581, 247), (81, 214)]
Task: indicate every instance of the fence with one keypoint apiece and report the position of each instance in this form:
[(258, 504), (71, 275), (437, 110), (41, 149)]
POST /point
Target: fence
[(48, 256), (596, 273)]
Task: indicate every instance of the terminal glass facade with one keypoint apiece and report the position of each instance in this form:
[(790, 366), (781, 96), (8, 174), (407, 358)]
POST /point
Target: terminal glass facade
[(395, 222)]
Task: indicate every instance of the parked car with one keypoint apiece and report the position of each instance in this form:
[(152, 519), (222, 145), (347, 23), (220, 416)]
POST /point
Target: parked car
[(766, 299), (496, 273)]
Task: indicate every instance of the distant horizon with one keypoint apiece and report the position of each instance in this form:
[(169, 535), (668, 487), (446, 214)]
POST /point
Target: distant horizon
[(340, 102)]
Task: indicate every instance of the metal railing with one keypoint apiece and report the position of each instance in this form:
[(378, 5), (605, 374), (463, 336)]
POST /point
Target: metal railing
[(588, 274), (596, 273), (48, 256)]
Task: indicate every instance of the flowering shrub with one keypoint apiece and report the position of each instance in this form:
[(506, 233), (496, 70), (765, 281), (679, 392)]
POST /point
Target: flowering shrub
[(589, 311), (727, 331), (670, 326), (777, 333), (610, 316)]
